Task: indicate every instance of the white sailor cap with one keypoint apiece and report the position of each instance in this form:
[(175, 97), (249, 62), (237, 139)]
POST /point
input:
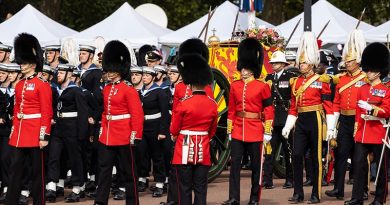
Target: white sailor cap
[(3, 67), (76, 73), (6, 48), (148, 70), (136, 69), (53, 48), (160, 68), (65, 67), (13, 67), (47, 69), (83, 47), (173, 68)]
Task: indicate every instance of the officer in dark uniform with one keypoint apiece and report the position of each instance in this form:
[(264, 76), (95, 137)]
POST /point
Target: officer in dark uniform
[(5, 52), (122, 122), (156, 128), (71, 127), (153, 58), (279, 81)]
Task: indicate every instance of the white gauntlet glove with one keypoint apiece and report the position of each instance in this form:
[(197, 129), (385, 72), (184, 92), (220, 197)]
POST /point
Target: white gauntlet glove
[(365, 105), (330, 123), (290, 122), (267, 138)]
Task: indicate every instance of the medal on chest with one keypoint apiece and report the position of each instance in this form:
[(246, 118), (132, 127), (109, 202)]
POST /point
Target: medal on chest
[(30, 86), (378, 92)]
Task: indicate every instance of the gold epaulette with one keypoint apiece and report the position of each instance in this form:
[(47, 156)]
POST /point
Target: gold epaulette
[(325, 78), (336, 78), (292, 80)]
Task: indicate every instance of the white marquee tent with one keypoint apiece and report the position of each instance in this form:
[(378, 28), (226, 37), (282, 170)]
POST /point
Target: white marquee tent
[(124, 24), (222, 21), (378, 33), (32, 21), (341, 24)]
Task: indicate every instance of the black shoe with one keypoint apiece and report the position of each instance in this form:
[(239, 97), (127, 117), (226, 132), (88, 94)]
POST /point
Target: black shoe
[(50, 196), (142, 186), (158, 192), (308, 183), (268, 186), (90, 186), (365, 196), (2, 197), (295, 199), (120, 195), (354, 202), (313, 200), (91, 194), (231, 202), (252, 202), (332, 193), (287, 185), (376, 203), (114, 190), (350, 181), (59, 191), (23, 200), (72, 197)]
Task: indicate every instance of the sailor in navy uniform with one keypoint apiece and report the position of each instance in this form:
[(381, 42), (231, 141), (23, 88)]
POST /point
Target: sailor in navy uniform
[(71, 127), (5, 52), (156, 128), (136, 77), (5, 128), (162, 79)]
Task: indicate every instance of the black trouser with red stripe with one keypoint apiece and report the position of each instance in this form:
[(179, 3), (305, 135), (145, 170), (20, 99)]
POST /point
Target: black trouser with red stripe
[(345, 146), (106, 158), (237, 151), (192, 177), (308, 133), (18, 157), (360, 167)]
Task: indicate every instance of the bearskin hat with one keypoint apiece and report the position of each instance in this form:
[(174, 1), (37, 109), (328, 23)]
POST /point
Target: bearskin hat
[(141, 61), (194, 45), (194, 69), (375, 58), (250, 56), (28, 50), (116, 58)]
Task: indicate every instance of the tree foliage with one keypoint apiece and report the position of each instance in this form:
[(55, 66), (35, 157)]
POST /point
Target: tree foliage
[(81, 14)]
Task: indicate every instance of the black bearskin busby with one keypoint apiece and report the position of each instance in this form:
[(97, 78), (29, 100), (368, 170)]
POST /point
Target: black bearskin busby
[(28, 51), (141, 61), (194, 70), (194, 45), (375, 58), (116, 58), (250, 56)]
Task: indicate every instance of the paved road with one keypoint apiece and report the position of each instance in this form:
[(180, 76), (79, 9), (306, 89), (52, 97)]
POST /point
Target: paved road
[(218, 192)]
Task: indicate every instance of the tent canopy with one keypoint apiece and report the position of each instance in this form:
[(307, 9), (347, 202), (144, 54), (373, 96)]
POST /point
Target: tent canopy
[(341, 24), (378, 34), (124, 24), (32, 21), (222, 21)]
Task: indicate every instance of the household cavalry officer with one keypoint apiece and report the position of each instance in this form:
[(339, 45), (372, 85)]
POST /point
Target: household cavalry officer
[(71, 127), (249, 98), (122, 121), (32, 118), (5, 52), (344, 107), (156, 128), (193, 131), (279, 81), (311, 104), (372, 113)]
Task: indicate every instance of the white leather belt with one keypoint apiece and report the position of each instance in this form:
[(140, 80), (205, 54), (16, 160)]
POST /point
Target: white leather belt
[(153, 117), (28, 116), (66, 114), (189, 132), (118, 117)]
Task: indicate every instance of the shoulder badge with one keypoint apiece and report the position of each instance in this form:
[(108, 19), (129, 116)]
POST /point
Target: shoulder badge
[(128, 83), (43, 80), (186, 98), (325, 78)]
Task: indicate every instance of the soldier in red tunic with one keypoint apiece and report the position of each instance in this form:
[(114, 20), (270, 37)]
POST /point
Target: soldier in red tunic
[(122, 123), (372, 111), (311, 104), (249, 99), (32, 117), (193, 129)]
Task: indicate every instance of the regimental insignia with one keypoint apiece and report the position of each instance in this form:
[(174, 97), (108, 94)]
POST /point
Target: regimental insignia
[(378, 92), (30, 86), (316, 84), (359, 84), (284, 84), (128, 83), (59, 105)]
